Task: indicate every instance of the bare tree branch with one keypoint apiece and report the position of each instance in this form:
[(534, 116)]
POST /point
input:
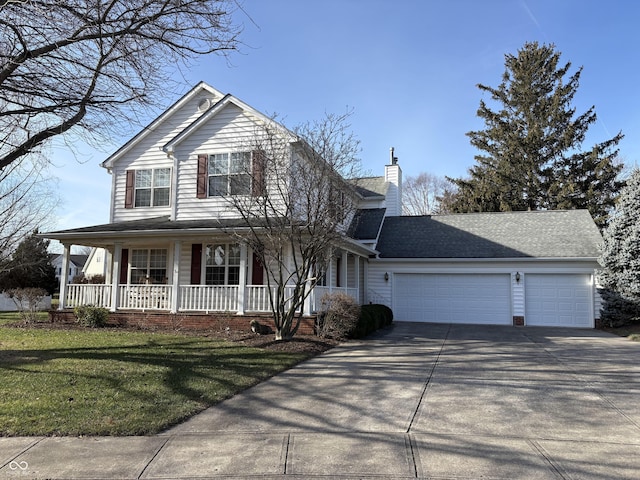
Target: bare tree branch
[(89, 64)]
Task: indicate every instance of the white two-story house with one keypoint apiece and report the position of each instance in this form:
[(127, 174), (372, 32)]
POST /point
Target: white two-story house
[(171, 245)]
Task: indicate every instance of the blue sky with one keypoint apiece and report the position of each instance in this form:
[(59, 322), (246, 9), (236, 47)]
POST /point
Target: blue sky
[(407, 68)]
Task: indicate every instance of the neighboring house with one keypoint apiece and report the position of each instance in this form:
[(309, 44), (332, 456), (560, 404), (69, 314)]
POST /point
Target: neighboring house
[(96, 263), (76, 264), (166, 247)]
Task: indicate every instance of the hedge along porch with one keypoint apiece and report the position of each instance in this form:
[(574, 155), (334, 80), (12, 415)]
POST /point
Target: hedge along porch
[(166, 266)]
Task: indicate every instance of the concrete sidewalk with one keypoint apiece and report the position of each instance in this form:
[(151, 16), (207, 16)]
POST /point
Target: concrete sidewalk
[(416, 401)]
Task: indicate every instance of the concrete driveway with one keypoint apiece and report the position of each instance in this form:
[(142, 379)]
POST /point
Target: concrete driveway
[(415, 401)]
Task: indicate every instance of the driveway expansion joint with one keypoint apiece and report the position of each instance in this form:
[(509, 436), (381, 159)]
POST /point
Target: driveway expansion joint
[(428, 381)]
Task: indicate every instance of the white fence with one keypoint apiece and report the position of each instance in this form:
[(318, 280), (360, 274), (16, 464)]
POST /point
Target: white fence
[(8, 305)]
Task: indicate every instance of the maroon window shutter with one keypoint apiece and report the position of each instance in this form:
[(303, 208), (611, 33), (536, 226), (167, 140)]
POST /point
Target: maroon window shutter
[(203, 160), (257, 272), (128, 195), (196, 263), (258, 181), (124, 265)]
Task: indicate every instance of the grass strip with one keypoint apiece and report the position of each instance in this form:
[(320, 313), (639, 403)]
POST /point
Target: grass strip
[(110, 382)]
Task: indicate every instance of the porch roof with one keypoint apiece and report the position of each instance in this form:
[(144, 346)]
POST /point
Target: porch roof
[(145, 229)]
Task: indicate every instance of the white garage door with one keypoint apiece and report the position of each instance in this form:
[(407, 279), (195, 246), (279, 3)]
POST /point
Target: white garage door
[(452, 298), (558, 300)]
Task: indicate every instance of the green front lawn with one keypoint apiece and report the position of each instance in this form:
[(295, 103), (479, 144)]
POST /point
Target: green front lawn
[(14, 317), (109, 382)]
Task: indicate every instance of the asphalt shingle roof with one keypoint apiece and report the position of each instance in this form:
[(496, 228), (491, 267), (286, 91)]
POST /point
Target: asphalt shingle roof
[(156, 223), (370, 187), (545, 234), (366, 224)]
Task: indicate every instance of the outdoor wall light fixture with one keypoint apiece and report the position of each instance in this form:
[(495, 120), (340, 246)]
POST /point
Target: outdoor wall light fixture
[(386, 276), (517, 277)]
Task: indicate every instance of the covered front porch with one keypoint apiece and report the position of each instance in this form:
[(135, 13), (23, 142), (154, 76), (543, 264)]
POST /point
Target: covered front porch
[(194, 270)]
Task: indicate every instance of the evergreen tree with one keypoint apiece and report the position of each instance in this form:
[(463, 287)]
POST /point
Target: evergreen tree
[(30, 266), (620, 259), (532, 157)]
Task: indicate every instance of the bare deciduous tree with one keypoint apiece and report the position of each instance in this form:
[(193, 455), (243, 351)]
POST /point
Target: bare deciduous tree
[(93, 64), (27, 199), (421, 195), (298, 205)]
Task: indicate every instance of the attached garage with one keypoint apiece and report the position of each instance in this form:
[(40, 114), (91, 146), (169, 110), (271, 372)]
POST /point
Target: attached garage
[(558, 300), (452, 298), (509, 268)]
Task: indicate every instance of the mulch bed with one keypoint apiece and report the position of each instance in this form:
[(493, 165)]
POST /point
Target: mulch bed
[(309, 344)]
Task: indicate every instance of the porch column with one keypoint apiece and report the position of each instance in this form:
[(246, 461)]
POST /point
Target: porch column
[(115, 275), (357, 275), (108, 272), (344, 275), (309, 301), (242, 283), (330, 271), (175, 277), (64, 276)]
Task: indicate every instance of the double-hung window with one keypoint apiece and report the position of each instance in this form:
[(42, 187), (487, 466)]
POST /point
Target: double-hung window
[(229, 174), (152, 187), (222, 264), (149, 265)]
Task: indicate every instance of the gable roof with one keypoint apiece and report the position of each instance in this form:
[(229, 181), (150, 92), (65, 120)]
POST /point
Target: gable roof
[(544, 234), (159, 120), (76, 259), (213, 110)]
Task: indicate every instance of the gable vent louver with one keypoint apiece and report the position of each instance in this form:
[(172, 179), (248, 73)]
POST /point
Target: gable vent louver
[(204, 104)]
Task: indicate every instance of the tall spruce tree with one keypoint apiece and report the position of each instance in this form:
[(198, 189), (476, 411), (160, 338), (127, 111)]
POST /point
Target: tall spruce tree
[(620, 258), (532, 145)]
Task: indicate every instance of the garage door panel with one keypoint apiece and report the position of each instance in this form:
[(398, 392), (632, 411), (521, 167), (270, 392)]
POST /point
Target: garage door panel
[(453, 298), (558, 300)]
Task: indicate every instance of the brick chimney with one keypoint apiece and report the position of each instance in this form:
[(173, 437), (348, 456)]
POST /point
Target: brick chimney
[(393, 176)]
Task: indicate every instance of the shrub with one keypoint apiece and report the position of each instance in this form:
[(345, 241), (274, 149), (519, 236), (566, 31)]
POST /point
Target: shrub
[(339, 316), (27, 301), (90, 316), (372, 318)]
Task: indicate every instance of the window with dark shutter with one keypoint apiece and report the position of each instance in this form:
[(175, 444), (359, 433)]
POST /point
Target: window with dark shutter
[(129, 189), (258, 180), (202, 176)]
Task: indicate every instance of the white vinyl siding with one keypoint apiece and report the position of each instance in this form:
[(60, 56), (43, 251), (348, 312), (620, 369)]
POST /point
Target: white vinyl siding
[(558, 300), (148, 155), (230, 130), (452, 298)]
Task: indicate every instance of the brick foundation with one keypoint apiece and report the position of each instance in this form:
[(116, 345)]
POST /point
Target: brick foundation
[(518, 321), (184, 321)]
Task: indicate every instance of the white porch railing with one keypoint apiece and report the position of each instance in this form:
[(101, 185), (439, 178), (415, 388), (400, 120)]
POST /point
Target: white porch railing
[(144, 297), (197, 298), (88, 294), (209, 298), (257, 298)]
